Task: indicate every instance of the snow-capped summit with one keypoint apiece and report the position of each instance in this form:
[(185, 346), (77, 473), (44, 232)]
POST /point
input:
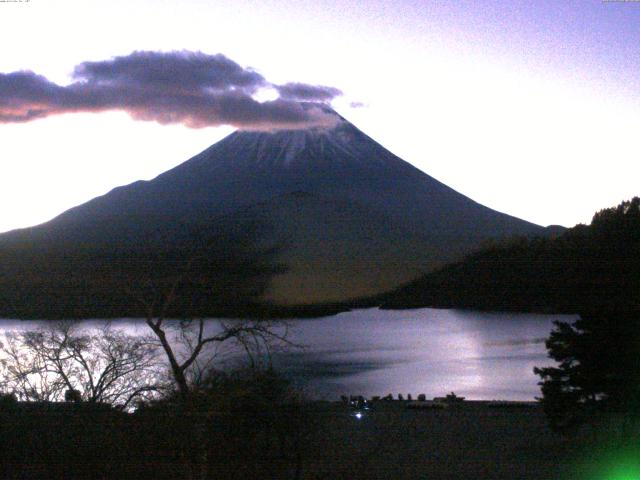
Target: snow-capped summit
[(349, 218)]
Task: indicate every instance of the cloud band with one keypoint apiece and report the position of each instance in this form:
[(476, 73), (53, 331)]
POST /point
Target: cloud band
[(191, 88)]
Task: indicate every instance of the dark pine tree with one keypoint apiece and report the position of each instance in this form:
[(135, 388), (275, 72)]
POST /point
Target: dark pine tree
[(598, 371)]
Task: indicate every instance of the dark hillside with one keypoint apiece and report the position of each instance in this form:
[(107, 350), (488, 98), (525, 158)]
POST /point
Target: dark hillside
[(204, 272), (587, 267)]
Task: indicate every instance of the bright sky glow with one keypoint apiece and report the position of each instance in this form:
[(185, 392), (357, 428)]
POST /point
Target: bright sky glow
[(530, 108)]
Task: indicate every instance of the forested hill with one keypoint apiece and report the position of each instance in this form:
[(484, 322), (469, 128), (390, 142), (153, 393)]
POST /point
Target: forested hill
[(586, 267)]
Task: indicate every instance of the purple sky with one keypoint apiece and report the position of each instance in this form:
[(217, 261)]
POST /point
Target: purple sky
[(528, 107)]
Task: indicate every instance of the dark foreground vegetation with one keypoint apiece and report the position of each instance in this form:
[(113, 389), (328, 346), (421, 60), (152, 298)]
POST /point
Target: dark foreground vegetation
[(243, 434), (245, 431), (248, 426)]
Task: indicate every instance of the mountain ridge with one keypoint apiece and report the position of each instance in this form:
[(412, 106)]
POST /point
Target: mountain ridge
[(347, 218)]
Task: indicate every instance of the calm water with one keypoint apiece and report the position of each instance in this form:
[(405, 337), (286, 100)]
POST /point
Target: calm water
[(376, 352)]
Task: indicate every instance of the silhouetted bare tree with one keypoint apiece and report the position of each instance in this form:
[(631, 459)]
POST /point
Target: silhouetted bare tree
[(102, 365), (190, 346), (213, 273)]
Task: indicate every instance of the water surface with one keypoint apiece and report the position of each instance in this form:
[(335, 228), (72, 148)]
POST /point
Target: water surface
[(376, 352)]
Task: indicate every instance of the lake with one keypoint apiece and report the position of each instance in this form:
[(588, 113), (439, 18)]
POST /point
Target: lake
[(376, 352)]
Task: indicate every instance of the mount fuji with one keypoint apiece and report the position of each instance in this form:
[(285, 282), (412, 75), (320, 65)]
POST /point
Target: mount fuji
[(343, 217)]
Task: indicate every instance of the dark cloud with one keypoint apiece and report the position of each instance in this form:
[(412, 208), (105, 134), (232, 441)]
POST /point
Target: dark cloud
[(175, 71), (26, 96), (191, 88), (307, 93)]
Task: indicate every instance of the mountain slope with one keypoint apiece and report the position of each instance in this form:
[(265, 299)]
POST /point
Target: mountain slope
[(335, 249), (346, 216)]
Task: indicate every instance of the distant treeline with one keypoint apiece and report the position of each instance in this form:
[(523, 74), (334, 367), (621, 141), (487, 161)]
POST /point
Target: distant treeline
[(213, 275), (204, 272), (585, 268)]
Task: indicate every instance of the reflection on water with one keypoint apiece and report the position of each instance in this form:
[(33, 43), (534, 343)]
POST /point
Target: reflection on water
[(376, 352)]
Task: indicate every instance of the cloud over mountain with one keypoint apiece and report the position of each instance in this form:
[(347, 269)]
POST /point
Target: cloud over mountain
[(192, 88), (306, 92)]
